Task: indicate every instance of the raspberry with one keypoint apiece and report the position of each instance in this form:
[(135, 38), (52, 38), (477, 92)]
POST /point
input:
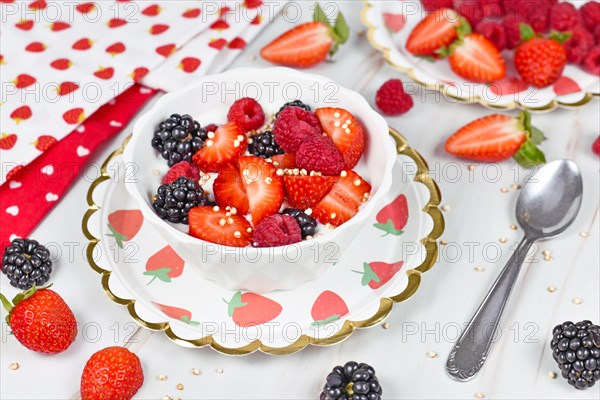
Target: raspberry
[(512, 29), (597, 34), (494, 31), (563, 17), (432, 5), (590, 15), (277, 230), (537, 15), (596, 146), (183, 168), (211, 127), (471, 10), (513, 7), (492, 8), (247, 113), (591, 62), (578, 45), (319, 154), (392, 99), (293, 126)]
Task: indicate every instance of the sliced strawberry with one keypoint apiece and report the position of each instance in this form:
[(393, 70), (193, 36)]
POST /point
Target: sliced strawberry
[(222, 147), (308, 44), (344, 199), (334, 209), (497, 137), (284, 161), (477, 59), (229, 189), (303, 46), (354, 187), (346, 132), (435, 31), (304, 191), (219, 226), (263, 187)]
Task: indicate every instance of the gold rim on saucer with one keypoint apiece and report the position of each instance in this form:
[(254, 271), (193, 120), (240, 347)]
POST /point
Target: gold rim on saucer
[(386, 304)]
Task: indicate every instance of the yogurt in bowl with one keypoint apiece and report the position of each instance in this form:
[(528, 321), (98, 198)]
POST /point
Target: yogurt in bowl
[(252, 268)]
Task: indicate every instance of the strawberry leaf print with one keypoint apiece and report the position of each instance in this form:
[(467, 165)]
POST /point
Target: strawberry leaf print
[(118, 237), (392, 218), (250, 309), (368, 275), (164, 265), (124, 225), (161, 273), (377, 273), (328, 308)]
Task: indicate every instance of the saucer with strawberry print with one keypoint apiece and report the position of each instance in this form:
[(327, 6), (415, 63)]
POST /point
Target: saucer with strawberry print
[(383, 267), (389, 24)]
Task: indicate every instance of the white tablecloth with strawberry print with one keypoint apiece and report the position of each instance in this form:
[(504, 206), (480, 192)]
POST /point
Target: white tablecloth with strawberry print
[(60, 61)]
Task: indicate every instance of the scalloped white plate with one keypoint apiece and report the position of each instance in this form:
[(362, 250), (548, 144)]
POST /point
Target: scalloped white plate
[(389, 24), (194, 312)]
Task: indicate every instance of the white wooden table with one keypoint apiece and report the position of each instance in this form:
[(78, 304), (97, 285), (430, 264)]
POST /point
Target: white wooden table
[(479, 213)]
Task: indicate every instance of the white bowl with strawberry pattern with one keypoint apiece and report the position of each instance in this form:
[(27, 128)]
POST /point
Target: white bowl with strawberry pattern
[(250, 268)]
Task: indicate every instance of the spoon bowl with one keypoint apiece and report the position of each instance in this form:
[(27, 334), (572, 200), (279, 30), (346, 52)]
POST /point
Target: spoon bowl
[(550, 201)]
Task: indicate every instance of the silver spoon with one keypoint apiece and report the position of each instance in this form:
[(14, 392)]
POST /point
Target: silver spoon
[(547, 205)]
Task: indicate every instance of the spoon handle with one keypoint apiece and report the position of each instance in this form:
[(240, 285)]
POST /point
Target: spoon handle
[(471, 349)]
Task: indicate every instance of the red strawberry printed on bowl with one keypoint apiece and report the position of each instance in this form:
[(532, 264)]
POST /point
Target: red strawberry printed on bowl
[(297, 177)]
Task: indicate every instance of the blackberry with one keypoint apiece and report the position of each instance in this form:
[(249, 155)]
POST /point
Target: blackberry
[(26, 263), (295, 103), (353, 381), (174, 201), (178, 138), (264, 145), (576, 349), (307, 224)]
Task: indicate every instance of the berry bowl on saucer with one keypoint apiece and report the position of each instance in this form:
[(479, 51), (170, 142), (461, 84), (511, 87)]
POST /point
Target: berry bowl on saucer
[(254, 266)]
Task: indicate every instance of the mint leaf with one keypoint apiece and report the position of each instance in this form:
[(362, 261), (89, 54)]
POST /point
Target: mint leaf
[(427, 58), (527, 32), (537, 136), (529, 155), (319, 15), (341, 28), (7, 304), (560, 37), (464, 28)]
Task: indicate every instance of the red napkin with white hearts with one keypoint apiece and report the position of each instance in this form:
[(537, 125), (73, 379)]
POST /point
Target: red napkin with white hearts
[(69, 81), (32, 190)]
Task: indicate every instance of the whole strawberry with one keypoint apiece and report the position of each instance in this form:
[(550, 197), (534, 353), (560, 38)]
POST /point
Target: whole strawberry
[(540, 61), (41, 320), (111, 373)]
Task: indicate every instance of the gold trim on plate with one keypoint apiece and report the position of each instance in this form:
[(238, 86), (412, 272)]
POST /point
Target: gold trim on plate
[(385, 307), (442, 88)]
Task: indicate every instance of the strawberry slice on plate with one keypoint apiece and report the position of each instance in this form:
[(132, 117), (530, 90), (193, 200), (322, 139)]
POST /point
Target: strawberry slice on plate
[(217, 225), (497, 137), (347, 133), (229, 189), (475, 58), (304, 191), (435, 31), (343, 200), (222, 147), (263, 187)]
